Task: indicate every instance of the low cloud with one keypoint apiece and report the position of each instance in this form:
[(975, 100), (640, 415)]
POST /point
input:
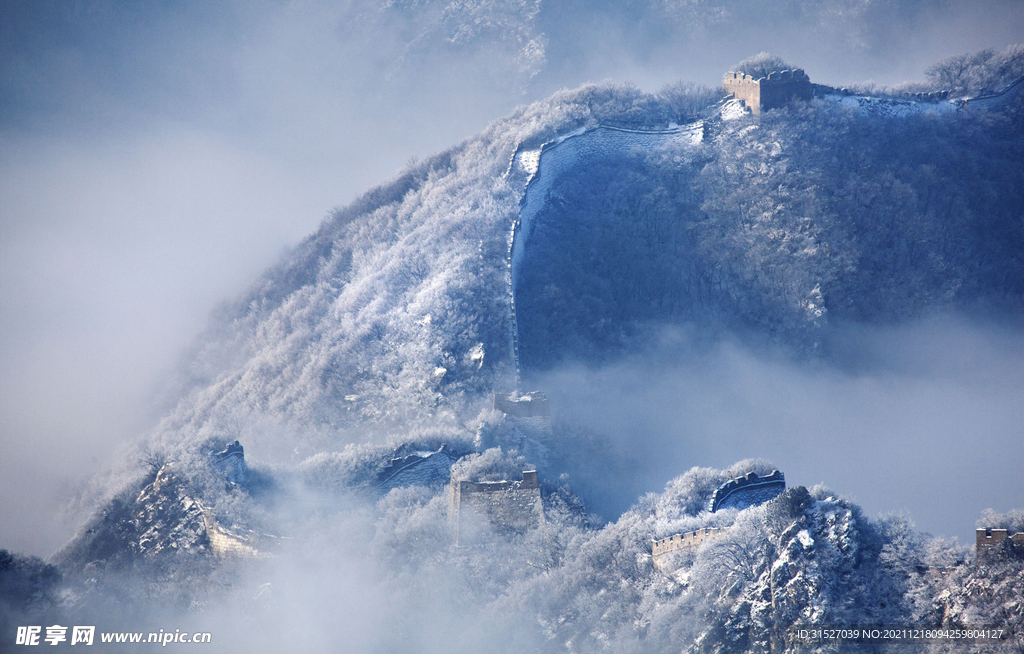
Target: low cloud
[(923, 417), (153, 160)]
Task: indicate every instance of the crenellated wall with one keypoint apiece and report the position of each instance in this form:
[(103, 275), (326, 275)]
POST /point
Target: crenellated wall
[(746, 491), (508, 508), (661, 549)]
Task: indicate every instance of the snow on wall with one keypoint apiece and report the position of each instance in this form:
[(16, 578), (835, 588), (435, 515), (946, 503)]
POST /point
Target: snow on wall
[(891, 107), (747, 491), (420, 469), (479, 509), (915, 105), (543, 166), (999, 100)]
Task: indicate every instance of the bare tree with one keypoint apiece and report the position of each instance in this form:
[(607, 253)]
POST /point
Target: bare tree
[(761, 64)]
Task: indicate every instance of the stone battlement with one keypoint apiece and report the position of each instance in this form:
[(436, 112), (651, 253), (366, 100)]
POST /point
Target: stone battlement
[(418, 469), (506, 507), (665, 553), (688, 540), (748, 490), (932, 96), (530, 405), (778, 89), (989, 541)]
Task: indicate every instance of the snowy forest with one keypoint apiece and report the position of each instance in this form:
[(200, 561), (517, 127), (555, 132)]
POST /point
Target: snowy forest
[(383, 337)]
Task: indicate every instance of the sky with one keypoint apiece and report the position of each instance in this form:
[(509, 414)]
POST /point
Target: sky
[(155, 157)]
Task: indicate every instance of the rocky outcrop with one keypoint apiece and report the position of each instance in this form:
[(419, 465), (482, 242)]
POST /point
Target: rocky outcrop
[(168, 519), (822, 568), (162, 519)]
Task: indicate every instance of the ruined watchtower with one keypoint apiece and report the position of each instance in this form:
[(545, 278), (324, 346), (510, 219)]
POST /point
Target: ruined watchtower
[(505, 508), (777, 90), (232, 461)]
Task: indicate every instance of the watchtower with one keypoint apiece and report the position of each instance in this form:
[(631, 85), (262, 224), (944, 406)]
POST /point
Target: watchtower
[(989, 541), (778, 89), (505, 508), (528, 405)]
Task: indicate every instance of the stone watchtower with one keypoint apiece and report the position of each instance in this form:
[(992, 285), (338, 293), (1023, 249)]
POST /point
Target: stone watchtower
[(479, 510), (748, 490), (989, 542), (777, 90)]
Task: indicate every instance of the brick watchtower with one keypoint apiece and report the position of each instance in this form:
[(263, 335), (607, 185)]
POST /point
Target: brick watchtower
[(777, 90)]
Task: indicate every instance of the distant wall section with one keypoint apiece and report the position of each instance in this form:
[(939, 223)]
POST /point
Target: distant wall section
[(418, 469), (665, 552), (996, 101), (748, 491), (542, 168)]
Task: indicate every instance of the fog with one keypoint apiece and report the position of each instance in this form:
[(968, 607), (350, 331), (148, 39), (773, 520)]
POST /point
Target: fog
[(153, 159), (923, 419)]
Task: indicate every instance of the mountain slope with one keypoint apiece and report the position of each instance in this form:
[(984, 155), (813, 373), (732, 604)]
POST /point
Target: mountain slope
[(396, 312), (381, 338)]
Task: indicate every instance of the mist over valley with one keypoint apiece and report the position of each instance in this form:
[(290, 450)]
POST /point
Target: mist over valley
[(667, 366)]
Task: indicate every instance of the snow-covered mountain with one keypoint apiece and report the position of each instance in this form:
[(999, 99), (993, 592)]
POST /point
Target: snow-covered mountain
[(575, 230), (397, 311)]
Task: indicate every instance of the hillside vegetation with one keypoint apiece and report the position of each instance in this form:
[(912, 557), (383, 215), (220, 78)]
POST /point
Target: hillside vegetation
[(395, 312), (384, 334)]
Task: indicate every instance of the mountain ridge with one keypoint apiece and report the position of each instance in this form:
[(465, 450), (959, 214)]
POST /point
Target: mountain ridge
[(387, 330)]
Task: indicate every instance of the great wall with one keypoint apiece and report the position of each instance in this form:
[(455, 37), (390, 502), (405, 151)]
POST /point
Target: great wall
[(480, 509), (418, 469), (737, 493), (996, 101), (664, 551), (477, 509), (523, 405), (554, 158), (751, 489), (989, 542), (231, 460), (537, 169)]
